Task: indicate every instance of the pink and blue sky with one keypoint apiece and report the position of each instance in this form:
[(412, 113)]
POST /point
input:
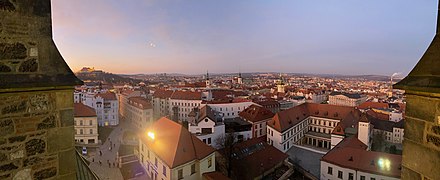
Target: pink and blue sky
[(191, 36)]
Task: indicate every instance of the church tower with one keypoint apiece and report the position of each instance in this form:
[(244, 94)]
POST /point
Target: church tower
[(280, 85), (239, 79), (208, 81)]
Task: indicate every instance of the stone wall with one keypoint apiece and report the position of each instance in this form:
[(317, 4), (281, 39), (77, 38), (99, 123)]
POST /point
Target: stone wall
[(37, 135), (421, 146)]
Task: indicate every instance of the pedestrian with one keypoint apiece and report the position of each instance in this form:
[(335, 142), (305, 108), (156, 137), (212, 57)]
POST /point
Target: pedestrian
[(100, 163), (108, 161), (114, 165), (109, 165), (114, 145), (93, 159)]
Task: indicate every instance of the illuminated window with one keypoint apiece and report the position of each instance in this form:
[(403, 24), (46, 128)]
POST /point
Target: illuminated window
[(209, 162)]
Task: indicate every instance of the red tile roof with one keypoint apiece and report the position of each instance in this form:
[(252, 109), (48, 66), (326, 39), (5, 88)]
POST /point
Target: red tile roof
[(377, 105), (378, 115), (140, 102), (286, 119), (81, 110), (174, 144), (352, 154), (259, 157), (186, 95), (109, 96), (256, 113), (215, 176), (162, 94)]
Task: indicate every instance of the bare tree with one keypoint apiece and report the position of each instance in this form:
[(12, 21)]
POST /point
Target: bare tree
[(226, 144)]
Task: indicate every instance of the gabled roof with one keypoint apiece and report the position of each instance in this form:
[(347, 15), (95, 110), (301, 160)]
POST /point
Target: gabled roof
[(256, 113), (109, 96), (349, 116), (140, 102), (174, 144), (352, 154), (81, 110), (186, 95), (202, 113)]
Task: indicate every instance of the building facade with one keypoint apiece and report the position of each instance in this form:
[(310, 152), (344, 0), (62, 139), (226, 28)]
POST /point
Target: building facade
[(139, 112), (258, 117), (346, 99), (85, 124)]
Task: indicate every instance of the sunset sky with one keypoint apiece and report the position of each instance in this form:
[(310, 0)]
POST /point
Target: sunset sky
[(299, 36)]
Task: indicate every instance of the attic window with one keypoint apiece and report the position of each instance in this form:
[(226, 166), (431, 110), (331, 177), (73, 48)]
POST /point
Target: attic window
[(336, 114), (372, 163), (326, 113), (317, 112), (290, 121), (351, 158), (297, 118), (206, 120), (304, 114)]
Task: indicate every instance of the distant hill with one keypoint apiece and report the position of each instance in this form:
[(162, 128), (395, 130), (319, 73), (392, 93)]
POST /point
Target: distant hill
[(107, 78)]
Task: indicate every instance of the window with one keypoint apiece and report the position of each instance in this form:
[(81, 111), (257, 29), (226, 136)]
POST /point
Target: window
[(91, 131), (330, 170), (164, 171), (155, 161), (180, 174), (209, 140), (81, 131), (193, 168), (148, 154), (350, 176), (90, 122), (362, 177), (81, 122), (340, 174), (372, 178), (209, 162)]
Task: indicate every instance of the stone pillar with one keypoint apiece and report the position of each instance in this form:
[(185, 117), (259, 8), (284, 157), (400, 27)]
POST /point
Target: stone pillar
[(36, 96), (421, 143)]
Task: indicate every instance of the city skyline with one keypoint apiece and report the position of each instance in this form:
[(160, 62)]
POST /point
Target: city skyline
[(291, 37)]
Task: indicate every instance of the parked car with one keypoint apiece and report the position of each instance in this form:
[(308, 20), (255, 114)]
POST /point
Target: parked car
[(84, 151)]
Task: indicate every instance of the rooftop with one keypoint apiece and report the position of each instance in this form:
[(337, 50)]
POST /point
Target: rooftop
[(81, 110)]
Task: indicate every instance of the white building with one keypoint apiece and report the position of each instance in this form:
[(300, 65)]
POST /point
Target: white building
[(182, 103), (228, 110), (85, 124), (169, 151), (350, 160), (346, 99), (389, 130), (312, 124), (106, 106), (205, 126)]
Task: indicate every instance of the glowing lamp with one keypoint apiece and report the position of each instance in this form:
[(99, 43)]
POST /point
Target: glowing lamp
[(151, 135)]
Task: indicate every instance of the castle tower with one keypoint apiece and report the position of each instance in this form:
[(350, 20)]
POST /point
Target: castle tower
[(36, 96)]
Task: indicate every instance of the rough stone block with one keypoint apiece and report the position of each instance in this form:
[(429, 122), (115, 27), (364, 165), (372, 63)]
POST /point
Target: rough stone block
[(17, 107), (3, 157), (40, 102), (433, 141), (48, 122), (30, 65), (67, 162), (421, 159), (12, 51), (6, 5), (23, 175), (8, 167), (421, 107), (35, 146), (5, 176), (45, 173), (410, 174), (6, 127), (31, 161), (17, 139), (66, 117), (414, 129), (16, 155)]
